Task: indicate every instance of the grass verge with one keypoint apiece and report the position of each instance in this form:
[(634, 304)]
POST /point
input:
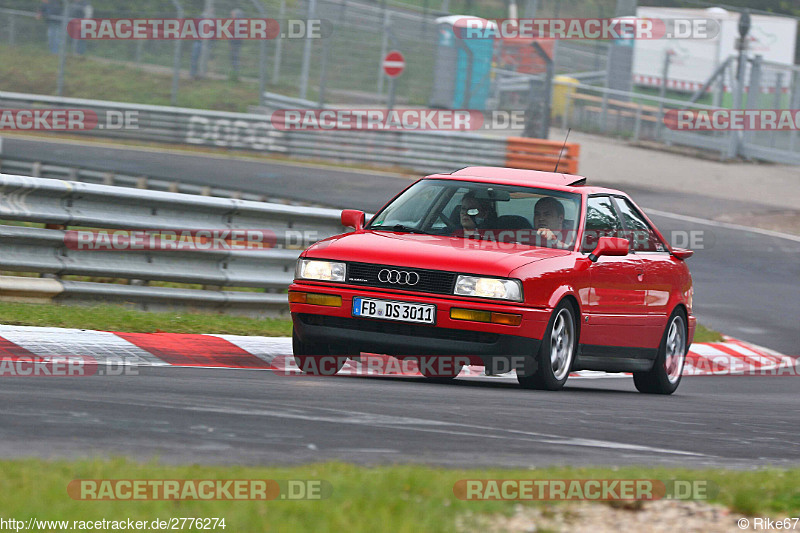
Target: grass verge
[(400, 498), (26, 69), (703, 334), (119, 318)]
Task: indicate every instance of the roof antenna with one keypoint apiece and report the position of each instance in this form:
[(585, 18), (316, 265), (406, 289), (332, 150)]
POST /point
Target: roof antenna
[(562, 150)]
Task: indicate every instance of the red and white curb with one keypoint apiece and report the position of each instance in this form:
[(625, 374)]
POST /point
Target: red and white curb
[(25, 343)]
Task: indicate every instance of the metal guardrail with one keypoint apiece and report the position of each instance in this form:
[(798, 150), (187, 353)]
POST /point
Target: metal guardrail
[(418, 150), (38, 168), (163, 123), (63, 204)]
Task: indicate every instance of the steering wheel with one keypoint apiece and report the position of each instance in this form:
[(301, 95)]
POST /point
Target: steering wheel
[(451, 227)]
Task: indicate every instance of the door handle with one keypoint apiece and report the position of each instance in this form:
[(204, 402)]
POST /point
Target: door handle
[(640, 274)]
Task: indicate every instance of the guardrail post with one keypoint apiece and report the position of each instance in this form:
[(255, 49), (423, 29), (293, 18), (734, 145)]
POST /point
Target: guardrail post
[(262, 57), (637, 124), (776, 102), (662, 93), (795, 104), (62, 52), (323, 75), (276, 61), (304, 69), (384, 49), (176, 59), (604, 112), (734, 140)]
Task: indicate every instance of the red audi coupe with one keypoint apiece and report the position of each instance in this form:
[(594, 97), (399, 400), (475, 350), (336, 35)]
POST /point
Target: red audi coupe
[(534, 272)]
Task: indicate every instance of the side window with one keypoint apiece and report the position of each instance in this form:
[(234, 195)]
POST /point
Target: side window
[(601, 221), (639, 232)]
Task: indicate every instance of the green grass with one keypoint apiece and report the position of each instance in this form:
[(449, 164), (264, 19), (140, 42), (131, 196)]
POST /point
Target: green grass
[(703, 334), (119, 318), (27, 69), (387, 498)]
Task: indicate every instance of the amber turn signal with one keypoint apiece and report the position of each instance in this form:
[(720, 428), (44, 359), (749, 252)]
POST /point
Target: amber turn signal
[(476, 315), (330, 300)]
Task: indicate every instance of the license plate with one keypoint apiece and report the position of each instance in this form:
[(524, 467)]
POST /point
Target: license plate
[(388, 310)]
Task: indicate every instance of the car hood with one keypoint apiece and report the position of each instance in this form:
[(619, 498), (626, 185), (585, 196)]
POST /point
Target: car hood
[(432, 252)]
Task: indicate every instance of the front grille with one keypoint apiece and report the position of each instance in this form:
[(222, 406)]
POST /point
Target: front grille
[(399, 328), (431, 281)]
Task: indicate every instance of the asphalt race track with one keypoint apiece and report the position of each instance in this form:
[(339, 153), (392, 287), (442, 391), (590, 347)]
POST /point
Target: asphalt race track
[(746, 286), (255, 416)]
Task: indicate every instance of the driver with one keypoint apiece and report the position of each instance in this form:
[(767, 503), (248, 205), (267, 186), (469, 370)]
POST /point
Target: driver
[(475, 213), (548, 221)]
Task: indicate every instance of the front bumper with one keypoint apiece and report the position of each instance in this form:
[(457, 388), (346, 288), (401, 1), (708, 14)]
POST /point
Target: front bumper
[(337, 326)]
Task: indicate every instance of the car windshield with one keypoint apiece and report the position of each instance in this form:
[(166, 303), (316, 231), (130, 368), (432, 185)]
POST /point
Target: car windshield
[(504, 213)]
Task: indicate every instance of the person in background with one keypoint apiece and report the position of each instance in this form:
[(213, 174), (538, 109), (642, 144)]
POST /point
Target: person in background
[(236, 47), (80, 9), (197, 70), (50, 11)]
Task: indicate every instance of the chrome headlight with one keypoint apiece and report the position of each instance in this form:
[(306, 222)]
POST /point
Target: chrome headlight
[(499, 288), (319, 270)]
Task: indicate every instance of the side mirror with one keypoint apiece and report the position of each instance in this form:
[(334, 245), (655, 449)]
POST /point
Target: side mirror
[(353, 218), (614, 246), (682, 253)]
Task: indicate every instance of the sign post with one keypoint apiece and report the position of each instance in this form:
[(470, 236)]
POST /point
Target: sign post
[(393, 65)]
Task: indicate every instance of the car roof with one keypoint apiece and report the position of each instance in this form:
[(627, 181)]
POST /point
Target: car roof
[(530, 178)]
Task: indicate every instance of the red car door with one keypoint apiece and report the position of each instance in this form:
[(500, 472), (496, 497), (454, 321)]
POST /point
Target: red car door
[(661, 274), (616, 311)]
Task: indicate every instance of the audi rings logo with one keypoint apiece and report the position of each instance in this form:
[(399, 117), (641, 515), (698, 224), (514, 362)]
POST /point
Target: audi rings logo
[(398, 277)]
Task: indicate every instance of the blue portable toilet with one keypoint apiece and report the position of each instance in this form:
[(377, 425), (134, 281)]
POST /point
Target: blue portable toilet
[(463, 64)]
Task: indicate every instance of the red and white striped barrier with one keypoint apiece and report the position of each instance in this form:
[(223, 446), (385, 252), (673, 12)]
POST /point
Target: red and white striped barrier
[(274, 353)]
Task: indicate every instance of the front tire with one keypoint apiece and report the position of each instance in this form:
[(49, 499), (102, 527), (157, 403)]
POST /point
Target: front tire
[(314, 358), (550, 367), (665, 376)]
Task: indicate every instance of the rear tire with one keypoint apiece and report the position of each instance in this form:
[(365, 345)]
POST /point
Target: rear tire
[(665, 376), (315, 359), (550, 367)]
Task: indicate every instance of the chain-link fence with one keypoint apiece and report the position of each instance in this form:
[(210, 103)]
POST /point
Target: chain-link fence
[(773, 87), (346, 66)]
